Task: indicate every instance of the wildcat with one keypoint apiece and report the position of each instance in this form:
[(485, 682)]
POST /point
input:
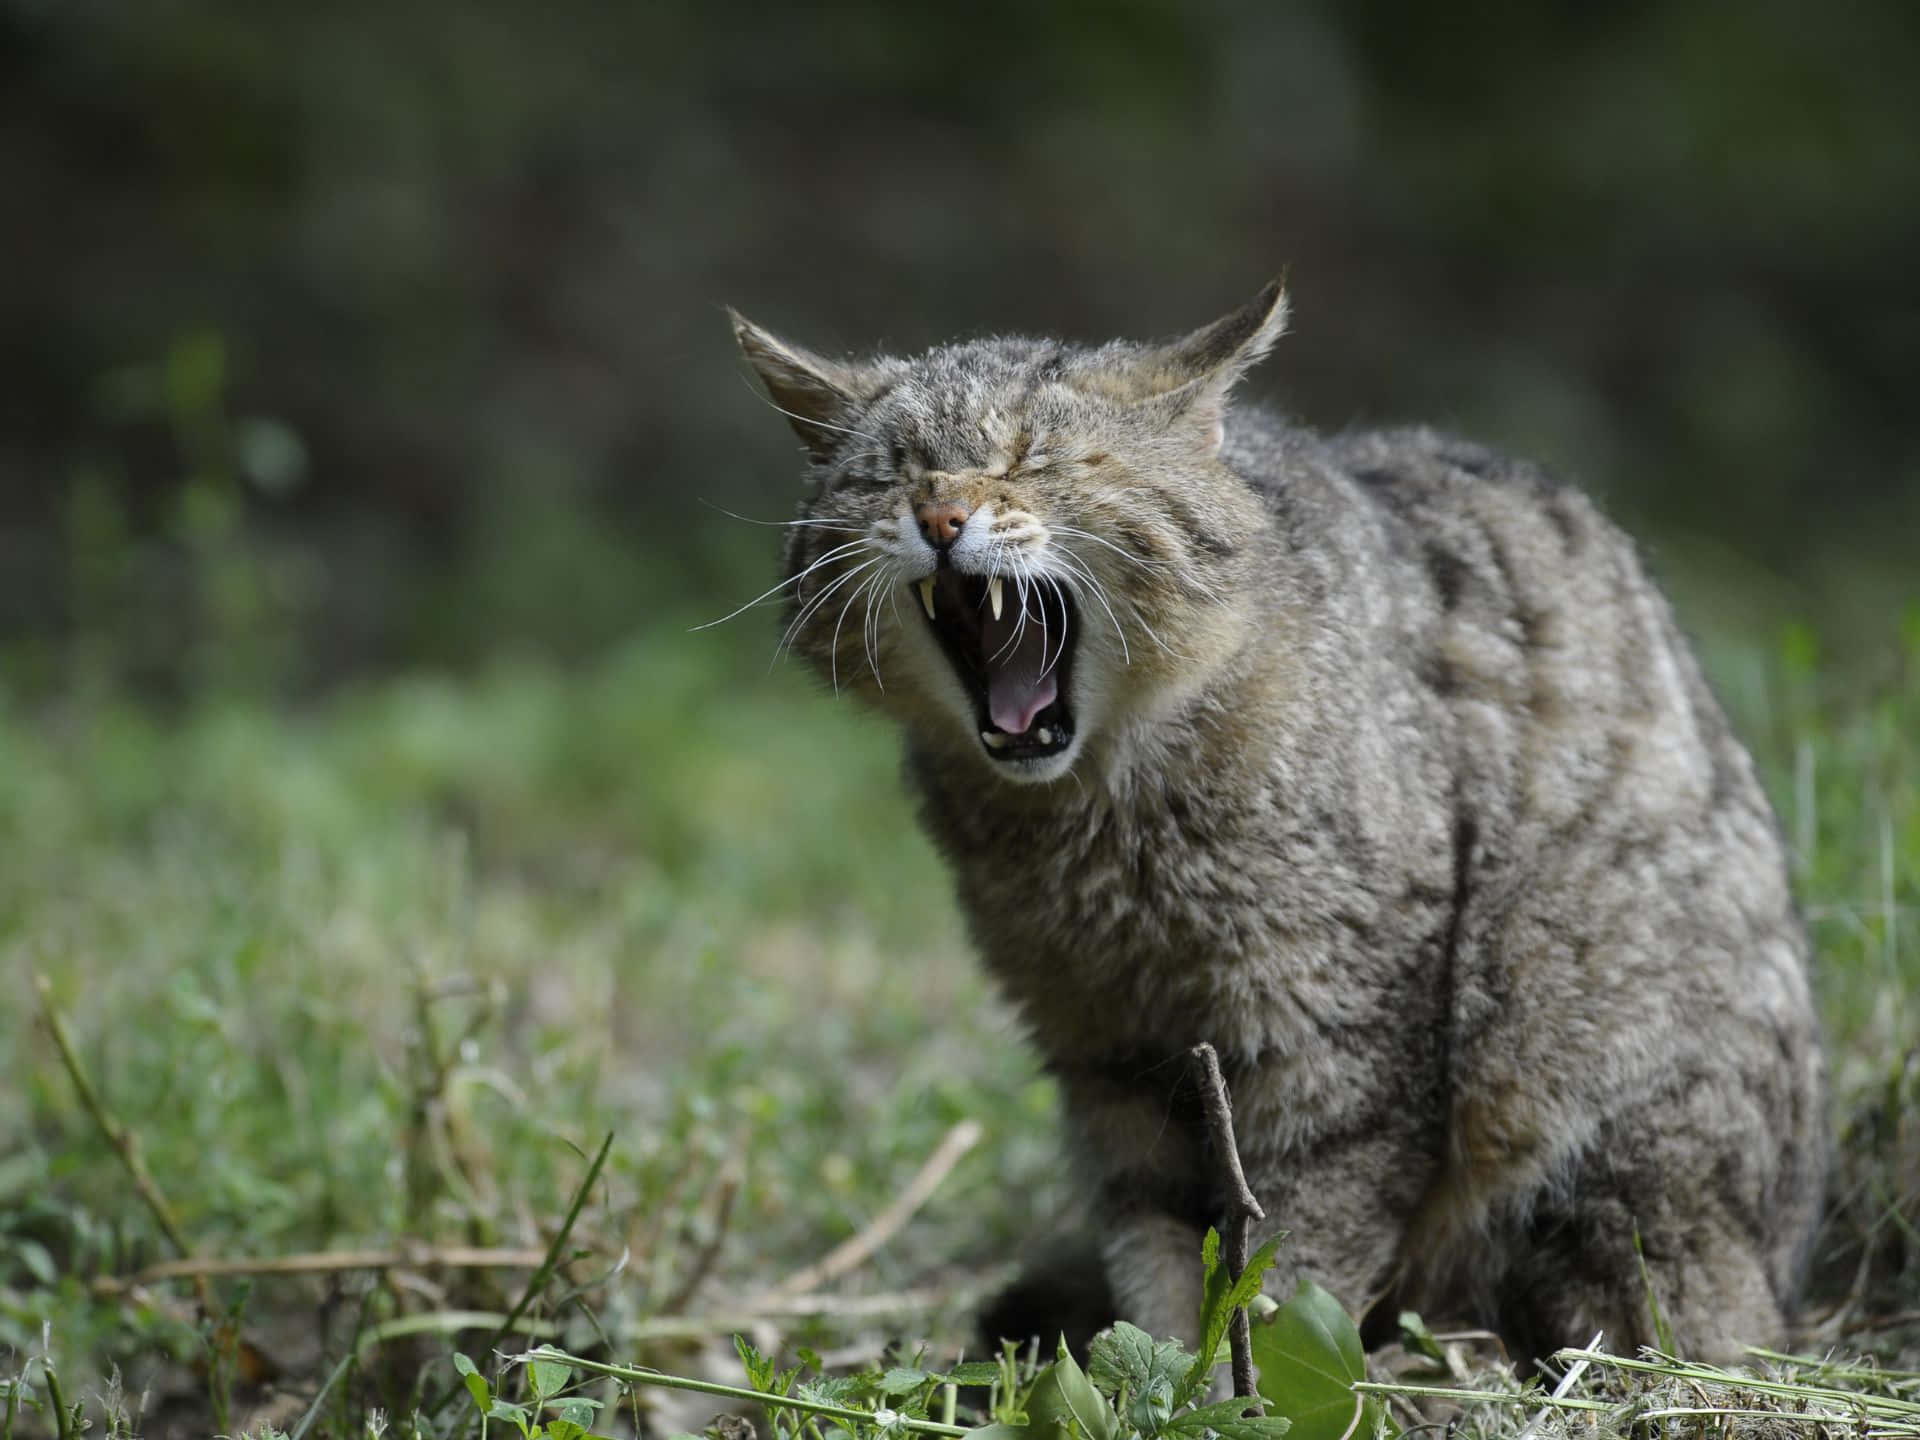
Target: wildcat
[(1378, 762)]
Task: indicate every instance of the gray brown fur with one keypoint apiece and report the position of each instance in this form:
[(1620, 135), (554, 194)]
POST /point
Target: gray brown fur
[(1406, 793)]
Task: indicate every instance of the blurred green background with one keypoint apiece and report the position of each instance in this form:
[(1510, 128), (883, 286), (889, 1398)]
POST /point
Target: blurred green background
[(354, 336)]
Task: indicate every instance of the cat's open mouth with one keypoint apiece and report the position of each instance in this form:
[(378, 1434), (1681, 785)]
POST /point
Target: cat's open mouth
[(1012, 647)]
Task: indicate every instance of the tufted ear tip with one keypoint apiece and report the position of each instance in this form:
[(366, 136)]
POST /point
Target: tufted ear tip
[(1225, 350), (816, 395)]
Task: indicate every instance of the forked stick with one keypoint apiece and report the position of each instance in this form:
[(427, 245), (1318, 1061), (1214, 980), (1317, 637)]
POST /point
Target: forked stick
[(1242, 1208)]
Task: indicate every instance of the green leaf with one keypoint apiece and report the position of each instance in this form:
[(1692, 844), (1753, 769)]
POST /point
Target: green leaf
[(1309, 1355), (476, 1383), (1150, 1372), (1224, 1419), (37, 1258), (903, 1381), (833, 1389), (550, 1377), (1063, 1396), (1415, 1335), (565, 1430), (974, 1372), (1120, 1356), (501, 1410), (1223, 1297), (759, 1368), (577, 1408)]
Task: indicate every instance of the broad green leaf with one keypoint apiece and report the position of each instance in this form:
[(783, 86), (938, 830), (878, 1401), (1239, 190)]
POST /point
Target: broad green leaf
[(1063, 1396), (1120, 1356), (476, 1383), (901, 1380), (550, 1377), (1127, 1359), (577, 1408), (1309, 1355), (565, 1430), (1224, 1419)]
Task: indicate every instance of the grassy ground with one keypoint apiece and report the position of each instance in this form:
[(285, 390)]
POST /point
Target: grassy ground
[(386, 972)]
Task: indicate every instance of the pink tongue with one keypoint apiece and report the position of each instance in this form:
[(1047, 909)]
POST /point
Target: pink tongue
[(1016, 689)]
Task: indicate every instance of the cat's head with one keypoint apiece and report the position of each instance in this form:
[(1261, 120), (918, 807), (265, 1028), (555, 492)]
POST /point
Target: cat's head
[(1015, 546)]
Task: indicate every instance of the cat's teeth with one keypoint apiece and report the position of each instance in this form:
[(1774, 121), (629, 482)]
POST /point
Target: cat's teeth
[(1044, 736), (993, 594), (995, 739), (926, 596)]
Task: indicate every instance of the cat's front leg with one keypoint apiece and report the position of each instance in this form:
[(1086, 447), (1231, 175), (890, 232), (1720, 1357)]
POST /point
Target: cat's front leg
[(1136, 1147), (1153, 1265)]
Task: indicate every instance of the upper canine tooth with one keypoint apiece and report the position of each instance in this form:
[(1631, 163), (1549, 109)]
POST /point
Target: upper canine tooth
[(993, 594), (926, 596)]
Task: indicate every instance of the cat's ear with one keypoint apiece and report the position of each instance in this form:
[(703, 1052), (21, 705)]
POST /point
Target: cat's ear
[(1188, 379), (818, 396)]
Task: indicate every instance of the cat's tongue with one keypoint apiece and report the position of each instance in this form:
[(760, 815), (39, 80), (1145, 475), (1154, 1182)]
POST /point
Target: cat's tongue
[(1020, 682)]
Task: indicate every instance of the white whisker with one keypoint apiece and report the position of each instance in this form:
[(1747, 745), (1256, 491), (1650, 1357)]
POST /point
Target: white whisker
[(1061, 654), (1078, 566), (850, 545), (833, 645), (870, 624), (812, 606), (783, 524)]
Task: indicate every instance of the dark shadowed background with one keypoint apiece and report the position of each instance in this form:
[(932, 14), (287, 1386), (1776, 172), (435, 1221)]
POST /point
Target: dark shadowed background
[(349, 336)]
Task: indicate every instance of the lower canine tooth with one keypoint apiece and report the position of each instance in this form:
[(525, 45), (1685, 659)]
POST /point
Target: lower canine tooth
[(1044, 736), (926, 596), (995, 740), (993, 595)]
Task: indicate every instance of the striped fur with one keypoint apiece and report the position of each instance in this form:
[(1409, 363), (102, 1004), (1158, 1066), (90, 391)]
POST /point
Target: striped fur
[(1395, 780)]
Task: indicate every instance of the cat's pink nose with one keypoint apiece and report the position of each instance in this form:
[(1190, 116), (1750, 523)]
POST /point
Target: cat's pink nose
[(940, 521)]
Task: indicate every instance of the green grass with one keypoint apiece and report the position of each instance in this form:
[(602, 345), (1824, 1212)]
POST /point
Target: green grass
[(390, 967)]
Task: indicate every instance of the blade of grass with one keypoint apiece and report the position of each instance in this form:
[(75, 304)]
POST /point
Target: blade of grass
[(635, 1375), (537, 1281)]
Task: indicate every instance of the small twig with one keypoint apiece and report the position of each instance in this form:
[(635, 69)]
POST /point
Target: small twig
[(1242, 1209), (124, 1142), (1884, 1322), (1466, 1397), (1879, 1405), (323, 1262), (727, 1190), (853, 1252)]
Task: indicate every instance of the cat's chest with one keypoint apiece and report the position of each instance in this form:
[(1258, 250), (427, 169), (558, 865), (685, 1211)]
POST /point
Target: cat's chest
[(1162, 925)]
